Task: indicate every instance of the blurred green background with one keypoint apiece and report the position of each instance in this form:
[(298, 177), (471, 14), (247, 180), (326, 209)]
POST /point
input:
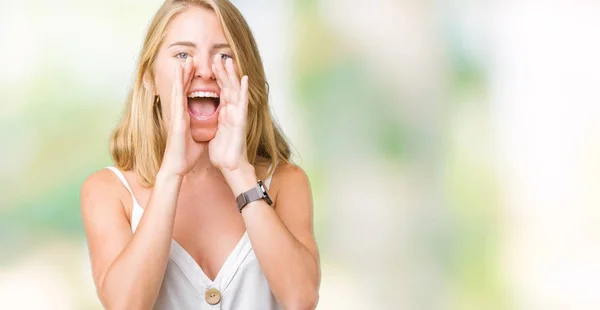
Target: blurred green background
[(451, 145)]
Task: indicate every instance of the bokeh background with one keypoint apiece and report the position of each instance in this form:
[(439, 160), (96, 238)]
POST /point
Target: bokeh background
[(453, 146)]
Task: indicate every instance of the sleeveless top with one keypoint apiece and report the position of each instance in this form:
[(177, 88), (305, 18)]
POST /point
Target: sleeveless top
[(240, 284)]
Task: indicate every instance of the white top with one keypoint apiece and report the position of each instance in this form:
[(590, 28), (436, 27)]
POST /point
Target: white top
[(240, 284)]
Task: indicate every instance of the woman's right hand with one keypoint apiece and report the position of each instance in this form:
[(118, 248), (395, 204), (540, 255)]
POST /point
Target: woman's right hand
[(182, 152)]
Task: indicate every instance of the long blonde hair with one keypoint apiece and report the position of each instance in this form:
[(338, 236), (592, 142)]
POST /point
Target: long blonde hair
[(139, 140)]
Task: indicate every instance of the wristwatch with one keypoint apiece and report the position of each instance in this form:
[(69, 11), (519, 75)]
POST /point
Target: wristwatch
[(253, 194)]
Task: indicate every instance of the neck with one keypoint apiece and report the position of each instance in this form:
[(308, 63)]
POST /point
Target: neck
[(203, 168)]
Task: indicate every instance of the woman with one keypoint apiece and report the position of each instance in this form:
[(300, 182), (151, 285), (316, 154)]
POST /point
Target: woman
[(182, 220)]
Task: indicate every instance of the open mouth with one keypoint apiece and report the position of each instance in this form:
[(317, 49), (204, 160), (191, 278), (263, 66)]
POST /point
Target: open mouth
[(203, 104)]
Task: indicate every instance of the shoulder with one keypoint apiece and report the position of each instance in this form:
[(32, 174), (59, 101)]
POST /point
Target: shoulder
[(284, 172), (289, 182), (290, 173), (101, 186), (103, 179)]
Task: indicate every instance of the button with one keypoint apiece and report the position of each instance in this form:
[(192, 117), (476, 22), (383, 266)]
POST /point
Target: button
[(213, 296)]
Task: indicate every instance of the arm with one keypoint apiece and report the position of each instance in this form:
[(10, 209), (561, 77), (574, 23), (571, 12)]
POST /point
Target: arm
[(128, 269), (282, 236)]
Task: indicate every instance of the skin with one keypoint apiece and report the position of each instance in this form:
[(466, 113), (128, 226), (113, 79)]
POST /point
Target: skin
[(193, 199)]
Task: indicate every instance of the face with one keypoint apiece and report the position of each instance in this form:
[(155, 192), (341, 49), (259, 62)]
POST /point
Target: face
[(194, 33)]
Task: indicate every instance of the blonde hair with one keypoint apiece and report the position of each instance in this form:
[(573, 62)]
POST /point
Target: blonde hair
[(139, 140)]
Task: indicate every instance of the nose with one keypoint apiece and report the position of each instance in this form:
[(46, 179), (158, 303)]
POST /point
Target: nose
[(204, 68)]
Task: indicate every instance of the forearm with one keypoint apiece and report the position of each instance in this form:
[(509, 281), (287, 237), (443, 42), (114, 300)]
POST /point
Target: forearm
[(291, 270), (133, 280)]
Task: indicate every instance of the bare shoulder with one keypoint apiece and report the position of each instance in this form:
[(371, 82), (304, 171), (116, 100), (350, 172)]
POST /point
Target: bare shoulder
[(100, 187), (102, 177), (285, 172), (290, 182), (290, 174)]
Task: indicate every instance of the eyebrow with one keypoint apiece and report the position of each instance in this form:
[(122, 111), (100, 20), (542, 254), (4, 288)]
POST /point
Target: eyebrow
[(183, 43), (191, 44)]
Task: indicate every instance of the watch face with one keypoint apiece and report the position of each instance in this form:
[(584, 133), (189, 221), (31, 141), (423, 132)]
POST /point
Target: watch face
[(265, 194)]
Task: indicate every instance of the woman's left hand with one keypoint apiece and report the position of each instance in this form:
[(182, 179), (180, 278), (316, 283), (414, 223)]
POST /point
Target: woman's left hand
[(227, 150)]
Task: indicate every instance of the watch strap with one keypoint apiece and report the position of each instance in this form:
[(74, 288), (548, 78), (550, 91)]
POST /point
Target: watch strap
[(256, 193)]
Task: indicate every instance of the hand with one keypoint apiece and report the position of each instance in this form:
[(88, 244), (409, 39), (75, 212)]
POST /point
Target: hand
[(182, 152), (227, 150)]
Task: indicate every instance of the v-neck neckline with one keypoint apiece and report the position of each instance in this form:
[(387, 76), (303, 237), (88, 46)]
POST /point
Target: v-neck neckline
[(194, 272), (186, 263)]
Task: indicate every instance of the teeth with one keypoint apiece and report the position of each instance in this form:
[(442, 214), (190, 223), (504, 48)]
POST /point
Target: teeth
[(203, 94)]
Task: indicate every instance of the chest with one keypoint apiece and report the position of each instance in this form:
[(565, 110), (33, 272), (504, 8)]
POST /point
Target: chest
[(207, 225)]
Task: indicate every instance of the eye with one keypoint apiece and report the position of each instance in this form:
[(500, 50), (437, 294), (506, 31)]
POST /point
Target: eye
[(182, 55), (225, 56)]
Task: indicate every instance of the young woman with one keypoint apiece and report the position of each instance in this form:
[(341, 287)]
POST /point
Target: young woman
[(203, 209)]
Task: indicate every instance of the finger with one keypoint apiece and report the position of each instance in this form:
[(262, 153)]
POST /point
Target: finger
[(177, 96), (187, 77), (224, 97), (214, 70), (230, 96), (173, 97), (172, 101), (243, 102), (232, 74), (220, 73), (188, 74)]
